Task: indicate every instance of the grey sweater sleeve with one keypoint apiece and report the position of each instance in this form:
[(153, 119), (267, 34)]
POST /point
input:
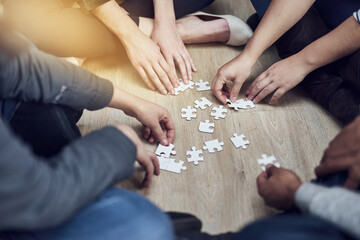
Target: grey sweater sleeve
[(337, 205), (28, 74), (35, 194)]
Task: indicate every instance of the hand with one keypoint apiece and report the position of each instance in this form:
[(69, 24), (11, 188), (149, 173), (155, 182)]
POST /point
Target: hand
[(277, 186), (173, 49), (279, 78), (146, 158), (237, 71), (343, 154), (148, 61)]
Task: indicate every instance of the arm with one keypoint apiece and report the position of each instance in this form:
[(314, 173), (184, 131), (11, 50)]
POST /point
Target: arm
[(36, 194), (340, 42), (143, 53), (165, 34), (278, 19), (331, 204)]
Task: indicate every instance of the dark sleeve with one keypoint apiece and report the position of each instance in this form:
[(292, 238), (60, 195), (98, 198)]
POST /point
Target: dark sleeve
[(36, 194), (28, 74)]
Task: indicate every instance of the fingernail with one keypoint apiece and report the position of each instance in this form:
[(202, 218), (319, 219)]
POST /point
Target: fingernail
[(190, 77), (172, 91), (234, 99), (195, 69), (164, 91), (176, 85), (164, 142)]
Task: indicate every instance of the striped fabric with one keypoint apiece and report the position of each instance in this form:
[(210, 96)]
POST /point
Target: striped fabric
[(357, 15)]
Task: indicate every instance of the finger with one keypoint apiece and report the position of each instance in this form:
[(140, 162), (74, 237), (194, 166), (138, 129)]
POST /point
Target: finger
[(147, 132), (145, 78), (217, 88), (353, 181), (259, 78), (181, 65), (193, 66), (149, 168), (155, 80), (277, 95), (164, 78), (261, 182), (258, 87), (266, 91), (332, 166), (187, 65), (155, 162), (170, 128), (234, 92), (170, 70)]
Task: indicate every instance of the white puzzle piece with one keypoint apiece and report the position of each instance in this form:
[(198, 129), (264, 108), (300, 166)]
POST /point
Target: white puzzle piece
[(170, 164), (195, 155), (202, 86), (202, 103), (206, 127), (240, 104), (212, 145), (188, 113), (220, 112), (239, 141), (265, 160), (183, 87), (166, 150)]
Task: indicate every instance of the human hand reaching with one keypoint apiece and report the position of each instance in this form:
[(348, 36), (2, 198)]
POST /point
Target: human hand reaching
[(237, 71), (277, 186), (166, 36), (149, 62), (278, 79), (343, 154), (146, 158)]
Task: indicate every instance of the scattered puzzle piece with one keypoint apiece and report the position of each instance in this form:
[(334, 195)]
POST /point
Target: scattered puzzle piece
[(238, 141), (240, 104), (195, 155), (203, 103), (265, 160), (206, 127), (220, 112), (170, 164), (166, 150), (212, 145), (202, 86), (188, 113), (183, 87)]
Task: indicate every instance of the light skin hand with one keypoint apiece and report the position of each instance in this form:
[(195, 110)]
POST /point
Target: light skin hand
[(237, 71), (172, 47), (343, 154), (278, 79), (143, 53), (146, 158), (157, 122), (278, 186)]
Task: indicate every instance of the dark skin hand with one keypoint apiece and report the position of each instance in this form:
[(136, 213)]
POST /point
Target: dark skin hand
[(343, 154), (277, 186)]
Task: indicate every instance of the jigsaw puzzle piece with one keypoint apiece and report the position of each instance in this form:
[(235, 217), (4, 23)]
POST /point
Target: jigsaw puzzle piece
[(220, 112), (212, 145), (206, 127), (165, 150), (202, 86), (239, 141), (188, 113), (195, 155), (265, 160), (202, 103)]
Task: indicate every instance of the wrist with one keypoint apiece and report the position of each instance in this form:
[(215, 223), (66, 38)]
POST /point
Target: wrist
[(307, 60)]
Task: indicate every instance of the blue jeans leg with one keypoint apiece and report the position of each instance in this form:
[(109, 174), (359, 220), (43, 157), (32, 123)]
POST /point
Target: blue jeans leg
[(117, 214), (261, 6)]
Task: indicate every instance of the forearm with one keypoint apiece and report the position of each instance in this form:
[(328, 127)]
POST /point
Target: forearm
[(117, 21), (340, 42), (164, 12), (53, 190), (278, 19), (331, 204)]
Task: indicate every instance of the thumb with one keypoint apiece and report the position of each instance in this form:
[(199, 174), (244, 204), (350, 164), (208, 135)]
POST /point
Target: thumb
[(271, 170), (159, 134), (234, 93)]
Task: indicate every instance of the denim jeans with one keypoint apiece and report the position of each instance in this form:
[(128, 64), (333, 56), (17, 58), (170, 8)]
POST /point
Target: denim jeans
[(116, 214)]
